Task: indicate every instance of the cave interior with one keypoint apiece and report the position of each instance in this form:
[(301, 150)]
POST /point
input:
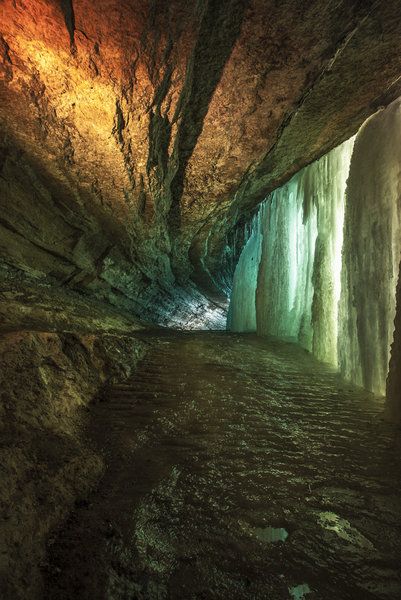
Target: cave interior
[(200, 299)]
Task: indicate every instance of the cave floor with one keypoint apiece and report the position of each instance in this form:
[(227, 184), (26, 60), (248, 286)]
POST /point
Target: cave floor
[(237, 468)]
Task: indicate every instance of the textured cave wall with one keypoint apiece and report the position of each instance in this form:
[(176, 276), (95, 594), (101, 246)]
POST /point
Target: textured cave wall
[(47, 463), (134, 135)]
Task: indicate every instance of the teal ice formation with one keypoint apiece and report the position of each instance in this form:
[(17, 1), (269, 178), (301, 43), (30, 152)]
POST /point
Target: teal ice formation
[(321, 259)]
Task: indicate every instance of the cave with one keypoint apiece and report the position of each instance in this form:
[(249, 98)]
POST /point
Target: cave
[(200, 299)]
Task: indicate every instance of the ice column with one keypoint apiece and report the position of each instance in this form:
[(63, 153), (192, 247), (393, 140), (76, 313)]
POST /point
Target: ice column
[(284, 291), (325, 181), (299, 280), (242, 312), (371, 254)]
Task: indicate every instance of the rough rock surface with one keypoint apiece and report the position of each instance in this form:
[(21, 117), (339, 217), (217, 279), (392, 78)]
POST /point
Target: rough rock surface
[(134, 135), (47, 381), (30, 304)]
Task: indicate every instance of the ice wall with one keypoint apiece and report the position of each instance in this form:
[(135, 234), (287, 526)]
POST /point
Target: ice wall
[(300, 229), (284, 290), (371, 254), (242, 312), (330, 255), (330, 245), (326, 181), (299, 280)]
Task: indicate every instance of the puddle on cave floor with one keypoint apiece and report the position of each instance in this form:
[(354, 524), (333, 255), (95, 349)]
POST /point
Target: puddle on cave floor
[(237, 469)]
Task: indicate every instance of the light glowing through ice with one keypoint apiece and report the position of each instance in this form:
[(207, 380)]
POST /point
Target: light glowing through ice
[(299, 280), (284, 290), (329, 243), (329, 176), (371, 252), (242, 311), (297, 236)]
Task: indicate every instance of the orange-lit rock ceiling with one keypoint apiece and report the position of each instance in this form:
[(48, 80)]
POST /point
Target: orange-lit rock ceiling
[(134, 134)]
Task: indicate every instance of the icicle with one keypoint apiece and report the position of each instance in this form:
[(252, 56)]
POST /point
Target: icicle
[(298, 283), (284, 288), (328, 178)]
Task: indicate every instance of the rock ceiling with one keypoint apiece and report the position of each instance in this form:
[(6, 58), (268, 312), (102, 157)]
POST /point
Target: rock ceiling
[(134, 135)]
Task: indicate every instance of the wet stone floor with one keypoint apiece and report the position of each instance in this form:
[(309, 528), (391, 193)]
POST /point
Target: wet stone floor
[(237, 468)]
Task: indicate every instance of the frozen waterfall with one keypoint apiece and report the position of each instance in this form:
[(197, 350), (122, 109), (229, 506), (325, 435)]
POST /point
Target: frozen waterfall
[(320, 265), (242, 310), (284, 292), (371, 253), (299, 278)]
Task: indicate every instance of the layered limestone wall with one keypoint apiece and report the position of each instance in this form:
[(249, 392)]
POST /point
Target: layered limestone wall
[(331, 247)]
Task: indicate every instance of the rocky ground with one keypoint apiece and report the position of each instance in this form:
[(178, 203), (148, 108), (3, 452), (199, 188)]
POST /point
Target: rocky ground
[(235, 467)]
